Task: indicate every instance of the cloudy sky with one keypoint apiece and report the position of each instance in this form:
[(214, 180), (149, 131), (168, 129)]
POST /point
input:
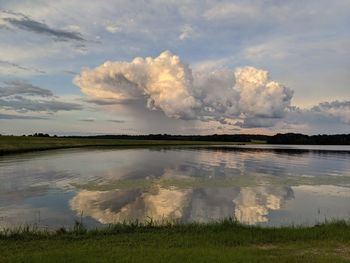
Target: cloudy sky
[(179, 67)]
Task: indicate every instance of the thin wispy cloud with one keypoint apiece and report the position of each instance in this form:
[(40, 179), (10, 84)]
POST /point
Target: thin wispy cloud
[(116, 121), (22, 96), (70, 72), (21, 104), (104, 102), (24, 22), (87, 120), (21, 67), (20, 117), (20, 87)]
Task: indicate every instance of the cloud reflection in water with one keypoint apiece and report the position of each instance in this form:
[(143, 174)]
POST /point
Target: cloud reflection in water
[(187, 184), (249, 205)]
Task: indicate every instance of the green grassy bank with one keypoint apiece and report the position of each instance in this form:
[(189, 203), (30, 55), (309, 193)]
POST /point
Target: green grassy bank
[(17, 144), (226, 241)]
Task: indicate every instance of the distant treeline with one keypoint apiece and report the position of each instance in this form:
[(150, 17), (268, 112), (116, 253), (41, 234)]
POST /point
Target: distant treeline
[(287, 138), (297, 138), (214, 137)]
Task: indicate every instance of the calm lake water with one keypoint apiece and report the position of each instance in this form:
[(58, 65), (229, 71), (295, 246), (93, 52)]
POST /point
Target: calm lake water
[(257, 184)]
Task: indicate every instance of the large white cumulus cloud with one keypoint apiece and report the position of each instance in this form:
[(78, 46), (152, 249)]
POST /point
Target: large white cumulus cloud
[(168, 84), (163, 81)]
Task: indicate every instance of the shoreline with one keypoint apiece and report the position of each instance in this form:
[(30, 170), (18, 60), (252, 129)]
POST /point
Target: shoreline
[(18, 144), (24, 144)]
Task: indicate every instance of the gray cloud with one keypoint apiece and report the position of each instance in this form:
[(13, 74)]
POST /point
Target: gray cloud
[(116, 121), (326, 117), (103, 102), (22, 96), (258, 122), (335, 109), (20, 117), (70, 72), (22, 104), (21, 67), (87, 120), (20, 87), (93, 120), (26, 23), (324, 106)]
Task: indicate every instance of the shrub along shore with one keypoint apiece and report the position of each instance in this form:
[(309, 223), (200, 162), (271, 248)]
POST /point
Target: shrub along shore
[(225, 241)]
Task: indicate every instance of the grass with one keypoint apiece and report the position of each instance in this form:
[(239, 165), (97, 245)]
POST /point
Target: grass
[(17, 144), (226, 241)]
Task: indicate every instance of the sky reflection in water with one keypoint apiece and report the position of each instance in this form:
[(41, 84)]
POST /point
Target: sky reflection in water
[(256, 186)]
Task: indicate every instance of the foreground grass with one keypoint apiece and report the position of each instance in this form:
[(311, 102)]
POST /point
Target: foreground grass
[(17, 144), (227, 241)]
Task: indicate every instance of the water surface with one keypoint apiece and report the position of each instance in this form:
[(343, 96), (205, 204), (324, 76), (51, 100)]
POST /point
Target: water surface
[(259, 184)]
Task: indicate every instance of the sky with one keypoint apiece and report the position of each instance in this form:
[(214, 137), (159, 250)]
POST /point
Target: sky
[(74, 67)]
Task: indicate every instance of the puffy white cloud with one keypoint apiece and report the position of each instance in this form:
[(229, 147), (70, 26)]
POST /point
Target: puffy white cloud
[(259, 96), (168, 84), (164, 81)]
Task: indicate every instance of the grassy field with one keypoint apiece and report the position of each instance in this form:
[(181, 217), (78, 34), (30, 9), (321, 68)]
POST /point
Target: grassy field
[(226, 241), (16, 144)]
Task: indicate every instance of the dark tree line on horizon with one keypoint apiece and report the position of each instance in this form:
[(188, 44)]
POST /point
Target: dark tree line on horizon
[(287, 138), (321, 139)]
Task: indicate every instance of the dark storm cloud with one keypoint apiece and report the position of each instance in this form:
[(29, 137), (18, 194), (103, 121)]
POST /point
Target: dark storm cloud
[(20, 87), (21, 67), (20, 117), (21, 104), (26, 23)]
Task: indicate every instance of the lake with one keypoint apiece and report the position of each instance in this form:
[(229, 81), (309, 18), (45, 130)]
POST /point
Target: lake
[(266, 185)]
